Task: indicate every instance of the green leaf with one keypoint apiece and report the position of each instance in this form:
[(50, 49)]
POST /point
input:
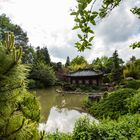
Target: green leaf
[(93, 22), (91, 31), (73, 13), (79, 36), (91, 39), (75, 27)]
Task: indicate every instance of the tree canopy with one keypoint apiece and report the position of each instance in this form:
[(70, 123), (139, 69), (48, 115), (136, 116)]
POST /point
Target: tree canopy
[(6, 25)]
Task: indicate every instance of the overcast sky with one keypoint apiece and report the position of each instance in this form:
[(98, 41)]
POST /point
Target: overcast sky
[(48, 23)]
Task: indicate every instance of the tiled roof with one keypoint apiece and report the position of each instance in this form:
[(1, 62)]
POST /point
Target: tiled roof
[(84, 72)]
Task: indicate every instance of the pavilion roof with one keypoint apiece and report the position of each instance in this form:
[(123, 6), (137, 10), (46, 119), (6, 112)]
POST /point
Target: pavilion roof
[(84, 72)]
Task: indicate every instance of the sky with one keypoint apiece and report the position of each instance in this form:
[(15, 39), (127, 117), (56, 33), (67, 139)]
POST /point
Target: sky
[(48, 23)]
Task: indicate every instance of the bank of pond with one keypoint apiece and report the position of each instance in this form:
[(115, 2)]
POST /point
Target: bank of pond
[(59, 112), (115, 116)]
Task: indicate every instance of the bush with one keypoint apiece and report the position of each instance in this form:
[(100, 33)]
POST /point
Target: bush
[(83, 129), (58, 136), (88, 88), (68, 87), (133, 103), (43, 75), (135, 84), (113, 105), (126, 127)]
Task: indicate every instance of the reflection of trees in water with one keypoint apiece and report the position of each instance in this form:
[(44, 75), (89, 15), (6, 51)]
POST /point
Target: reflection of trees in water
[(49, 98), (69, 101)]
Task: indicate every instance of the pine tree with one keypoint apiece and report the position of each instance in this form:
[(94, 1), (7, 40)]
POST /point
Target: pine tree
[(116, 69), (67, 62), (19, 109)]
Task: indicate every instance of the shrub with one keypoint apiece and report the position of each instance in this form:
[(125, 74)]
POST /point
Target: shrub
[(135, 84), (83, 129), (69, 87), (125, 128), (43, 74), (113, 105), (58, 136), (133, 103)]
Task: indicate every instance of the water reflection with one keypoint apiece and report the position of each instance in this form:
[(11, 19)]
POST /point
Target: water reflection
[(59, 111), (61, 119)]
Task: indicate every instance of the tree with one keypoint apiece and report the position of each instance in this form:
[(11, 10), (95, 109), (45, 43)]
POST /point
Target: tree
[(42, 55), (67, 62), (28, 55), (116, 71), (86, 17), (43, 75), (133, 58), (6, 25), (19, 109), (104, 64), (132, 69), (21, 39), (78, 63)]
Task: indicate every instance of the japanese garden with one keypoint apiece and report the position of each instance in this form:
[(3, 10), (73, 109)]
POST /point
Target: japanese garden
[(77, 99)]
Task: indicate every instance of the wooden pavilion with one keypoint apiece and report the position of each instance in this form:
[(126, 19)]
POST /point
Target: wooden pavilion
[(85, 76)]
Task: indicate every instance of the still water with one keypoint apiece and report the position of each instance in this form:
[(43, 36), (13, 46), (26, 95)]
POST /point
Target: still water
[(59, 112)]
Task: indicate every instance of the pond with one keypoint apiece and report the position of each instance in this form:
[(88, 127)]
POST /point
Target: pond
[(59, 112)]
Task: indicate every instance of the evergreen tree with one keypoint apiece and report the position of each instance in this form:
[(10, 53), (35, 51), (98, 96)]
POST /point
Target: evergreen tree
[(132, 59), (42, 55), (28, 55), (19, 110), (67, 62), (116, 69)]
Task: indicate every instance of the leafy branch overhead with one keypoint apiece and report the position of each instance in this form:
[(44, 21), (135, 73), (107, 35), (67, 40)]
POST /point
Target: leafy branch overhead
[(136, 11), (86, 17), (135, 45)]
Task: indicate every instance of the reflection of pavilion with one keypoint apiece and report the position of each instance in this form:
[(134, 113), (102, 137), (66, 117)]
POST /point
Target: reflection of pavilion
[(85, 76)]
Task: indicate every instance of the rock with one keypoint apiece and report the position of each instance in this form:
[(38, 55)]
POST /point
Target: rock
[(94, 98)]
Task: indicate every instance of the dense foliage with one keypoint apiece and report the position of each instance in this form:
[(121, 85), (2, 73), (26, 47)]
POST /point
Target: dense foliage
[(78, 62), (125, 128), (132, 69), (42, 55), (21, 38), (43, 76), (134, 84), (112, 67), (19, 109), (113, 106), (6, 25)]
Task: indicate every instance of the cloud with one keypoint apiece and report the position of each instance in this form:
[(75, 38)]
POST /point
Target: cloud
[(119, 26), (63, 120), (117, 31), (48, 23)]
